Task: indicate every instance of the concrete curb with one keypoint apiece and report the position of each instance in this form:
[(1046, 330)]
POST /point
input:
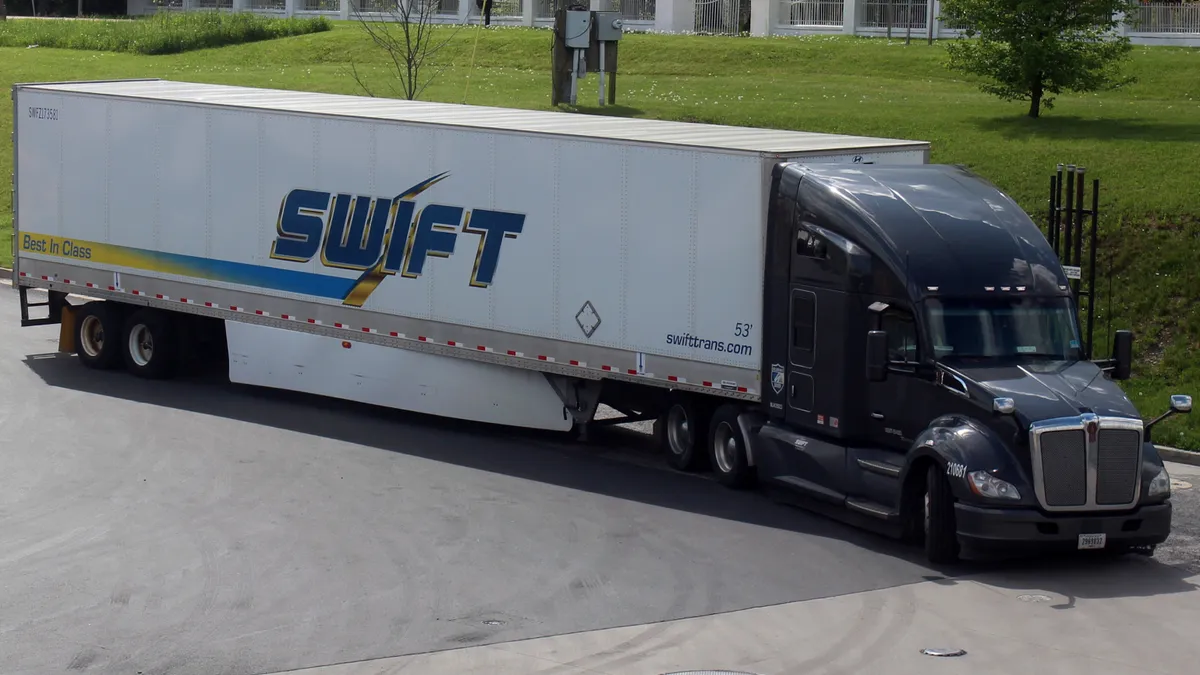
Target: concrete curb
[(1177, 455)]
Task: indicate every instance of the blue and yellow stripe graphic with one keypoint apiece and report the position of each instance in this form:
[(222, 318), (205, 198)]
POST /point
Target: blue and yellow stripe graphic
[(258, 276)]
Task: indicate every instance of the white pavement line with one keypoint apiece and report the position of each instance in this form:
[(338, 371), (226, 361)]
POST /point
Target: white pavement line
[(1070, 619)]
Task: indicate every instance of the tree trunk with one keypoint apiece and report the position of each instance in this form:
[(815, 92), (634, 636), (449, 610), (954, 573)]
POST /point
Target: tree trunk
[(1035, 99), (3, 11)]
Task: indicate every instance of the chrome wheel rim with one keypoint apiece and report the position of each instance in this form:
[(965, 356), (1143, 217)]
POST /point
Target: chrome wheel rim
[(141, 345), (725, 448), (91, 336), (679, 430)]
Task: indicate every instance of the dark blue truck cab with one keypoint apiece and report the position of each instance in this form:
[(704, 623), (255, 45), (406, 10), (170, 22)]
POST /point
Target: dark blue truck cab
[(925, 372)]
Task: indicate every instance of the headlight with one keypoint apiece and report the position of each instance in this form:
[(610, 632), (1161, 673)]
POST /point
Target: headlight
[(986, 485), (1161, 485)]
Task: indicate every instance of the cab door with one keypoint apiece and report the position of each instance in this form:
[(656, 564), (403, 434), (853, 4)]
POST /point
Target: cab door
[(890, 404)]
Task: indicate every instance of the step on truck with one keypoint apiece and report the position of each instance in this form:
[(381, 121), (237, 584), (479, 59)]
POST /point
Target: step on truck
[(888, 341)]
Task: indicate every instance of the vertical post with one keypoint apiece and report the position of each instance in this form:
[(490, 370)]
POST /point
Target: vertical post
[(527, 12), (601, 73), (762, 17), (930, 11), (1050, 214), (850, 17), (1058, 212), (1092, 267), (1079, 214), (1071, 211)]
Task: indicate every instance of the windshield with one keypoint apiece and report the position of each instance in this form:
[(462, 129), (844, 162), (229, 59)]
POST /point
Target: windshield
[(1004, 327)]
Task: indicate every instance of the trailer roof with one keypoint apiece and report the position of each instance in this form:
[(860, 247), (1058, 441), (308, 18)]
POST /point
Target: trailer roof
[(743, 139)]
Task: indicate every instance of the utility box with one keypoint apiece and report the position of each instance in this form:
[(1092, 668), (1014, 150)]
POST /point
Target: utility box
[(577, 34), (585, 41), (609, 26)]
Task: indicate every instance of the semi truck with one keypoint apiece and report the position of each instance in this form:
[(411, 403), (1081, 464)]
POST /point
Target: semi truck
[(878, 338)]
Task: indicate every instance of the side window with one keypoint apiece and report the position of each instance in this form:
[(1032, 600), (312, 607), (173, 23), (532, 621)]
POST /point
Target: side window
[(902, 336), (809, 245)]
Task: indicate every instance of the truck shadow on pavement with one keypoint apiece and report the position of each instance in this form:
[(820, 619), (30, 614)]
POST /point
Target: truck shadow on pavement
[(616, 462)]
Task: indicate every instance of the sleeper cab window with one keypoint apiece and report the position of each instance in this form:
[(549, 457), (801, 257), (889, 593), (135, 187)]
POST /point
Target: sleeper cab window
[(902, 336), (810, 245)]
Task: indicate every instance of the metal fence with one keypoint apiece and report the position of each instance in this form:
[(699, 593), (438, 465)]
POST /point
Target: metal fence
[(1163, 17), (902, 14), (631, 10), (812, 12), (1151, 20), (717, 17)]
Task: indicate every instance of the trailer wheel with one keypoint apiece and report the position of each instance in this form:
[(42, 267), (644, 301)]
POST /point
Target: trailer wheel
[(682, 431), (97, 335), (941, 532), (727, 444), (150, 346)]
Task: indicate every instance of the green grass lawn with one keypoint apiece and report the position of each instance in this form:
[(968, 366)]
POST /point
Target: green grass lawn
[(168, 33), (1143, 141)]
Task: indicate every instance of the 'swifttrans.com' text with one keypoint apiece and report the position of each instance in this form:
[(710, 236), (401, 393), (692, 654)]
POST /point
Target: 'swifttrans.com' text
[(695, 342)]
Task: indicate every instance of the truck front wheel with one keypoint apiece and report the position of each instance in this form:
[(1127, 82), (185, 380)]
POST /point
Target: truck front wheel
[(150, 344), (941, 531), (97, 335)]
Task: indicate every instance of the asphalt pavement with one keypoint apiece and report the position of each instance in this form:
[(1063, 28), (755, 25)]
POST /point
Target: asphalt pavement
[(194, 526)]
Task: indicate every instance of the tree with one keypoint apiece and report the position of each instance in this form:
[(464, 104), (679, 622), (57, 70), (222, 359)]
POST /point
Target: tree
[(405, 31), (1033, 49)]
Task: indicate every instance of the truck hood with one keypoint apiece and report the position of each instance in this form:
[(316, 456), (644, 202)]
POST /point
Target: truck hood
[(1048, 389)]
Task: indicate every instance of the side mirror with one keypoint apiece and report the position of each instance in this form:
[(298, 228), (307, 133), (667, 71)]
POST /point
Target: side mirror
[(1180, 404), (877, 355), (1122, 355)]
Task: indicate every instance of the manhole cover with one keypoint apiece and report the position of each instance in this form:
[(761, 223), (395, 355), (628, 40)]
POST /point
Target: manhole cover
[(709, 673), (943, 652), (1034, 597)]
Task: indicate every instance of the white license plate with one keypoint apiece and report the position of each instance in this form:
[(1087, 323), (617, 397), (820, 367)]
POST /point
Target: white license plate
[(1092, 541)]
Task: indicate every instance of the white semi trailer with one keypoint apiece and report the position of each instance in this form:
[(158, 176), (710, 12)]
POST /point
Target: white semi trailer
[(479, 263)]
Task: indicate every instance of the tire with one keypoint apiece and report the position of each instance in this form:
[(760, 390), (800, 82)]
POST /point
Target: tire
[(727, 450), (941, 532), (682, 431), (98, 333), (149, 344)]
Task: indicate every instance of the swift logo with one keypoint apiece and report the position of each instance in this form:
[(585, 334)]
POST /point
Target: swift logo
[(382, 236)]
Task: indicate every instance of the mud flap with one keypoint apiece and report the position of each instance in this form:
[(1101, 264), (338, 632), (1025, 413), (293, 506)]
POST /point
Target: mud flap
[(66, 329)]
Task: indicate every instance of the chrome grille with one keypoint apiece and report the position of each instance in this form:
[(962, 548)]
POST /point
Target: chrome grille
[(1064, 468), (1118, 463), (1072, 473)]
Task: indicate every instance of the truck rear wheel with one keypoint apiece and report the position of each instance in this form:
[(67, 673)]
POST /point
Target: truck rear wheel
[(941, 531), (150, 345), (683, 431), (97, 335), (727, 443)]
